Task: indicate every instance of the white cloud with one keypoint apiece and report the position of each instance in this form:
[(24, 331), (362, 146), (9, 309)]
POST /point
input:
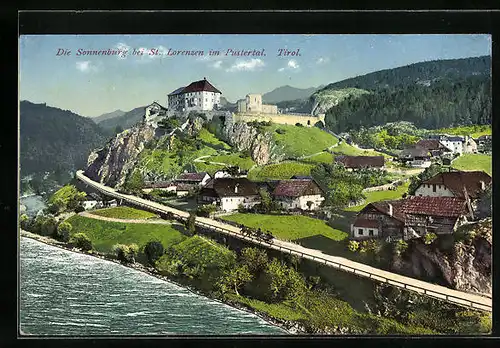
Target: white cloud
[(247, 65), (322, 60), (124, 47), (291, 65), (86, 66), (217, 64)]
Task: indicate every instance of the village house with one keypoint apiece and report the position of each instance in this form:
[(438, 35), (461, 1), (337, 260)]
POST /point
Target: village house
[(457, 143), (302, 194), (168, 186), (415, 156), (229, 193), (459, 184), (194, 179), (197, 96), (484, 143), (360, 162), (411, 217), (154, 113), (434, 147)]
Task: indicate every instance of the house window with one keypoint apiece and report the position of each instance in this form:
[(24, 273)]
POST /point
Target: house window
[(433, 188), (370, 232), (360, 231)]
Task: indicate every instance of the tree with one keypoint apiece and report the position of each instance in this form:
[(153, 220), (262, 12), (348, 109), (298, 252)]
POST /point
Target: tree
[(153, 251), (66, 198), (255, 259), (135, 182), (81, 241), (47, 225), (64, 230), (237, 277), (206, 210), (24, 222), (191, 223), (126, 253), (266, 200), (285, 282)]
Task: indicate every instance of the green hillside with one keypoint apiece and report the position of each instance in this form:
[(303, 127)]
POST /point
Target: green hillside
[(300, 141), (472, 161)]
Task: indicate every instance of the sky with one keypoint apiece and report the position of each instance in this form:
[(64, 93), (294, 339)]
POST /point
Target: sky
[(91, 85)]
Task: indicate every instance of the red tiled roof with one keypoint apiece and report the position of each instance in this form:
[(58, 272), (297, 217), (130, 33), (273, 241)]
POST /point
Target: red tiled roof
[(414, 151), (456, 181), (431, 144), (225, 187), (191, 176), (296, 188), (159, 184), (198, 86), (422, 205), (360, 161), (366, 223)]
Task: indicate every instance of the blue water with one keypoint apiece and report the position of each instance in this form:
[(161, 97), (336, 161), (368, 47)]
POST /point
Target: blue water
[(65, 293)]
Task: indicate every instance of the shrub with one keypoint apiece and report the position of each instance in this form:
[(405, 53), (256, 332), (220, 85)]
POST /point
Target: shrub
[(280, 131), (400, 247), (63, 231), (81, 241), (206, 210), (299, 124), (153, 251), (429, 238), (24, 221), (353, 246), (126, 253), (79, 209)]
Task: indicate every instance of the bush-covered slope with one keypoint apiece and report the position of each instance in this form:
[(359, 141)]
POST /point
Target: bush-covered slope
[(54, 139)]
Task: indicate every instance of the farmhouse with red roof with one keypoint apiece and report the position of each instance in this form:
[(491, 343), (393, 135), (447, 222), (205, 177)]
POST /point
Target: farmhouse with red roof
[(302, 194), (410, 217)]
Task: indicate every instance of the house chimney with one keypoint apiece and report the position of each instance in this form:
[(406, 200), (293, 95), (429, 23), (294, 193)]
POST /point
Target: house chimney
[(236, 188), (390, 209), (205, 78), (483, 185)]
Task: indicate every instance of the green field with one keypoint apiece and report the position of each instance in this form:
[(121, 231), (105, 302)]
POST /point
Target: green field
[(124, 212), (381, 196), (208, 167), (211, 139), (300, 141), (472, 161), (234, 159), (288, 227), (324, 157), (474, 131), (280, 171), (105, 234), (349, 150)]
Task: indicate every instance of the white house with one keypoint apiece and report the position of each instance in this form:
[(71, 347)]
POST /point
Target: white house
[(455, 184), (302, 194), (229, 193), (457, 143), (154, 113), (198, 96)]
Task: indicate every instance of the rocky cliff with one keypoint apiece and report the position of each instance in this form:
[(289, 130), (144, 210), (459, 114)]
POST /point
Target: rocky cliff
[(244, 137), (112, 163), (464, 265), (325, 99)]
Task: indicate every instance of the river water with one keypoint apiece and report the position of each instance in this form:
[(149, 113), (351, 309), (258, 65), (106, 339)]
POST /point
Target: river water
[(66, 293)]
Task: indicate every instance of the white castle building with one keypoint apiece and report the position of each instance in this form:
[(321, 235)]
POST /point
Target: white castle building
[(198, 96)]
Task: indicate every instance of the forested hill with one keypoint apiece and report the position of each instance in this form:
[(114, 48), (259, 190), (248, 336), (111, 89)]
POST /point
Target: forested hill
[(55, 140), (431, 95), (423, 73), (127, 120)]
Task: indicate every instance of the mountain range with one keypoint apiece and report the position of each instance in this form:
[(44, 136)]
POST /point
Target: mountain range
[(113, 114), (285, 93)]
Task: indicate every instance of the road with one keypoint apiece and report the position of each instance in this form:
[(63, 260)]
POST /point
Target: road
[(436, 291)]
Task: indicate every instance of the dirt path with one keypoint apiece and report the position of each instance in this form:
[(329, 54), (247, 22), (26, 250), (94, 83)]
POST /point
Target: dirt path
[(131, 221)]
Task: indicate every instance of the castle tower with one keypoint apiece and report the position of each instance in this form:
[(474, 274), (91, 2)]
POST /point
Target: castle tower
[(254, 103)]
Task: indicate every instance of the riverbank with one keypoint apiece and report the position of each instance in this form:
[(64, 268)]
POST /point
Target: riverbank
[(291, 328)]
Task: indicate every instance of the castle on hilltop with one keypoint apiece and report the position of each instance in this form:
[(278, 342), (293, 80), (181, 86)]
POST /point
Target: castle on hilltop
[(252, 109)]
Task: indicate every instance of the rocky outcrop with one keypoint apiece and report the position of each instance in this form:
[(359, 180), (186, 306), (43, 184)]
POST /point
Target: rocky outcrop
[(244, 137), (324, 100), (466, 266), (111, 164)]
